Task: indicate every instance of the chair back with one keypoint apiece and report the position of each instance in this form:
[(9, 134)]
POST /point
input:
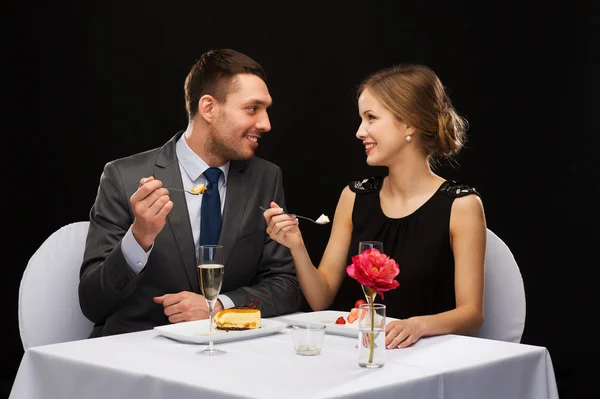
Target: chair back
[(504, 297), (49, 310)]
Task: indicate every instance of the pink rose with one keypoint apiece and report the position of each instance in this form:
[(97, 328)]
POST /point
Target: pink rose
[(374, 270)]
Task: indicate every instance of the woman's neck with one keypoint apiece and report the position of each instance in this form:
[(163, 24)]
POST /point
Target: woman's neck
[(411, 178)]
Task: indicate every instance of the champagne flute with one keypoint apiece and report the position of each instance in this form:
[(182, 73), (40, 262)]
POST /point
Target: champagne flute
[(211, 270), (362, 246), (378, 245)]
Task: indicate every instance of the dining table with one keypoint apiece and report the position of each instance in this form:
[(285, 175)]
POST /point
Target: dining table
[(149, 365)]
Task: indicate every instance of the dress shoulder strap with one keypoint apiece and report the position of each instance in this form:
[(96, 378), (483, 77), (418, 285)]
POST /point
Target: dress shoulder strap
[(364, 186), (453, 189)]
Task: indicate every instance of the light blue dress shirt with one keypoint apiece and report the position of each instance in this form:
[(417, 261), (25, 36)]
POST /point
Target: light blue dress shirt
[(192, 169)]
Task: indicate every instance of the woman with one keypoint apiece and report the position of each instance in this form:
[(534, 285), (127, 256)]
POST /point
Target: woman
[(434, 228)]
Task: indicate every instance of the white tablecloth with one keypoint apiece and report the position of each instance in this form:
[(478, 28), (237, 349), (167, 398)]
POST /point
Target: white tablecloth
[(147, 365)]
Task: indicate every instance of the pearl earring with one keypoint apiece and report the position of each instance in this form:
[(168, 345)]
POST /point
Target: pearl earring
[(408, 138)]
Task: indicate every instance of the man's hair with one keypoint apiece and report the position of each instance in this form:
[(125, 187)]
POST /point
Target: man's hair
[(214, 74)]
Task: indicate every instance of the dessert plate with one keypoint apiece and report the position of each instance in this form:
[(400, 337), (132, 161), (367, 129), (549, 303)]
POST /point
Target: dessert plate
[(196, 332), (328, 318)]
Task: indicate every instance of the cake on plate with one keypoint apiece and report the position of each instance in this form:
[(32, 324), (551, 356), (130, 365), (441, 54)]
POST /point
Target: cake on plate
[(239, 317)]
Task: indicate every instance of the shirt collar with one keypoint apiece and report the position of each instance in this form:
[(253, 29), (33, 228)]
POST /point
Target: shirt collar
[(193, 164)]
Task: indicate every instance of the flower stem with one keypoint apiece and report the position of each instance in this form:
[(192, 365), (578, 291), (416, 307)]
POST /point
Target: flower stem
[(372, 348), (370, 295)]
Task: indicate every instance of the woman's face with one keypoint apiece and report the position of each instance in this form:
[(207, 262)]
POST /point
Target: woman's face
[(382, 134)]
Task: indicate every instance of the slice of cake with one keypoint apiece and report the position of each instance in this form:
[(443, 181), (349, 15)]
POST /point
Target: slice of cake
[(239, 317)]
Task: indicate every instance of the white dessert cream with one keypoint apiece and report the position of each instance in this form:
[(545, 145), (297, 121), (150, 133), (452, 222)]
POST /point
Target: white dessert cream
[(323, 219)]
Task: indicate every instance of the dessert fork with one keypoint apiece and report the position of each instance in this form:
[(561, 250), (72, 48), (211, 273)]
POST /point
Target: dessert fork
[(303, 217), (181, 189), (197, 190)]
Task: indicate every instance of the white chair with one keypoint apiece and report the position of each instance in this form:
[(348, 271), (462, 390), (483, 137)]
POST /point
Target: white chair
[(49, 310), (504, 298)]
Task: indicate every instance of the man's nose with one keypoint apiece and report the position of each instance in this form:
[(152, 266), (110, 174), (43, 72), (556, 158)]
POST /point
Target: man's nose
[(264, 123)]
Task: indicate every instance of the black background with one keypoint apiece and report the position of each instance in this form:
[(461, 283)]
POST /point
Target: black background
[(101, 80)]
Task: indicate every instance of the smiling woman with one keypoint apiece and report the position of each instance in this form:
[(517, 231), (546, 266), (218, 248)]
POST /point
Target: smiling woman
[(433, 232)]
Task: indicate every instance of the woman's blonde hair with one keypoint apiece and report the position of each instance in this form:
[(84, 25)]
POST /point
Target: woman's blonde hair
[(416, 96)]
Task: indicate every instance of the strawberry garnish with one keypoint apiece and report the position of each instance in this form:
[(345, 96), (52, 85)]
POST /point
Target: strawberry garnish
[(353, 315), (359, 302), (340, 320)]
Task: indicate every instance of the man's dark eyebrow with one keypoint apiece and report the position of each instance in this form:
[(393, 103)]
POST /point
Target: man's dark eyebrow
[(256, 101)]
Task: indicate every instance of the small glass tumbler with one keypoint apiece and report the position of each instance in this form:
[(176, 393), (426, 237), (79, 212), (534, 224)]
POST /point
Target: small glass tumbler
[(308, 338), (371, 335)]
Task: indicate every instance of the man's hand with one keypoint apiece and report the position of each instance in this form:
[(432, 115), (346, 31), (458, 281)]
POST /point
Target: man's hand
[(186, 306), (151, 205)]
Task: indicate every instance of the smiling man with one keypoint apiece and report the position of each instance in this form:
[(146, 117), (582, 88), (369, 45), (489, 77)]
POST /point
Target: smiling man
[(140, 263)]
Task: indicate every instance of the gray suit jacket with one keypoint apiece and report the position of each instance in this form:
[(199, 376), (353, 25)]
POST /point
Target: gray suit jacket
[(118, 301)]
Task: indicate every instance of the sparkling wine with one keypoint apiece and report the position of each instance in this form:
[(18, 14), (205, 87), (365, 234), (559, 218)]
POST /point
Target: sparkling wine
[(211, 279)]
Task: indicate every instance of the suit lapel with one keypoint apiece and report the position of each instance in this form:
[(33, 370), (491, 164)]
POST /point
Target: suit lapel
[(178, 219), (234, 206)]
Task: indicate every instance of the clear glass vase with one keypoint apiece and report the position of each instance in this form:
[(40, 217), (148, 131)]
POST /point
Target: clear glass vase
[(370, 298), (371, 335)]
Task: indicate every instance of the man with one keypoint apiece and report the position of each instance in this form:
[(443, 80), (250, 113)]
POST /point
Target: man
[(139, 268)]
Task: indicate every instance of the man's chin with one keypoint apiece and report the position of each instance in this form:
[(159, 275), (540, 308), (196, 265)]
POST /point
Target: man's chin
[(243, 156)]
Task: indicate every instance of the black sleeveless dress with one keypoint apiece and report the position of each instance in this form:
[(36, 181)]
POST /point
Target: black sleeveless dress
[(419, 242)]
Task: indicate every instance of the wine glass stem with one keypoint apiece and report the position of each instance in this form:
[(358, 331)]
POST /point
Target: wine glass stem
[(210, 322)]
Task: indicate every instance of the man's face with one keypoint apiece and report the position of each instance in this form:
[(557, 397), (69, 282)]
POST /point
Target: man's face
[(241, 120)]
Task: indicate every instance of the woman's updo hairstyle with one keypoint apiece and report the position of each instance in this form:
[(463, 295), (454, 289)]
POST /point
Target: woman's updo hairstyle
[(416, 96)]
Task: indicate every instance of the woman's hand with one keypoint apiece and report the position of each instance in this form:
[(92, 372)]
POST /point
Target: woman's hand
[(282, 227), (403, 333)]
